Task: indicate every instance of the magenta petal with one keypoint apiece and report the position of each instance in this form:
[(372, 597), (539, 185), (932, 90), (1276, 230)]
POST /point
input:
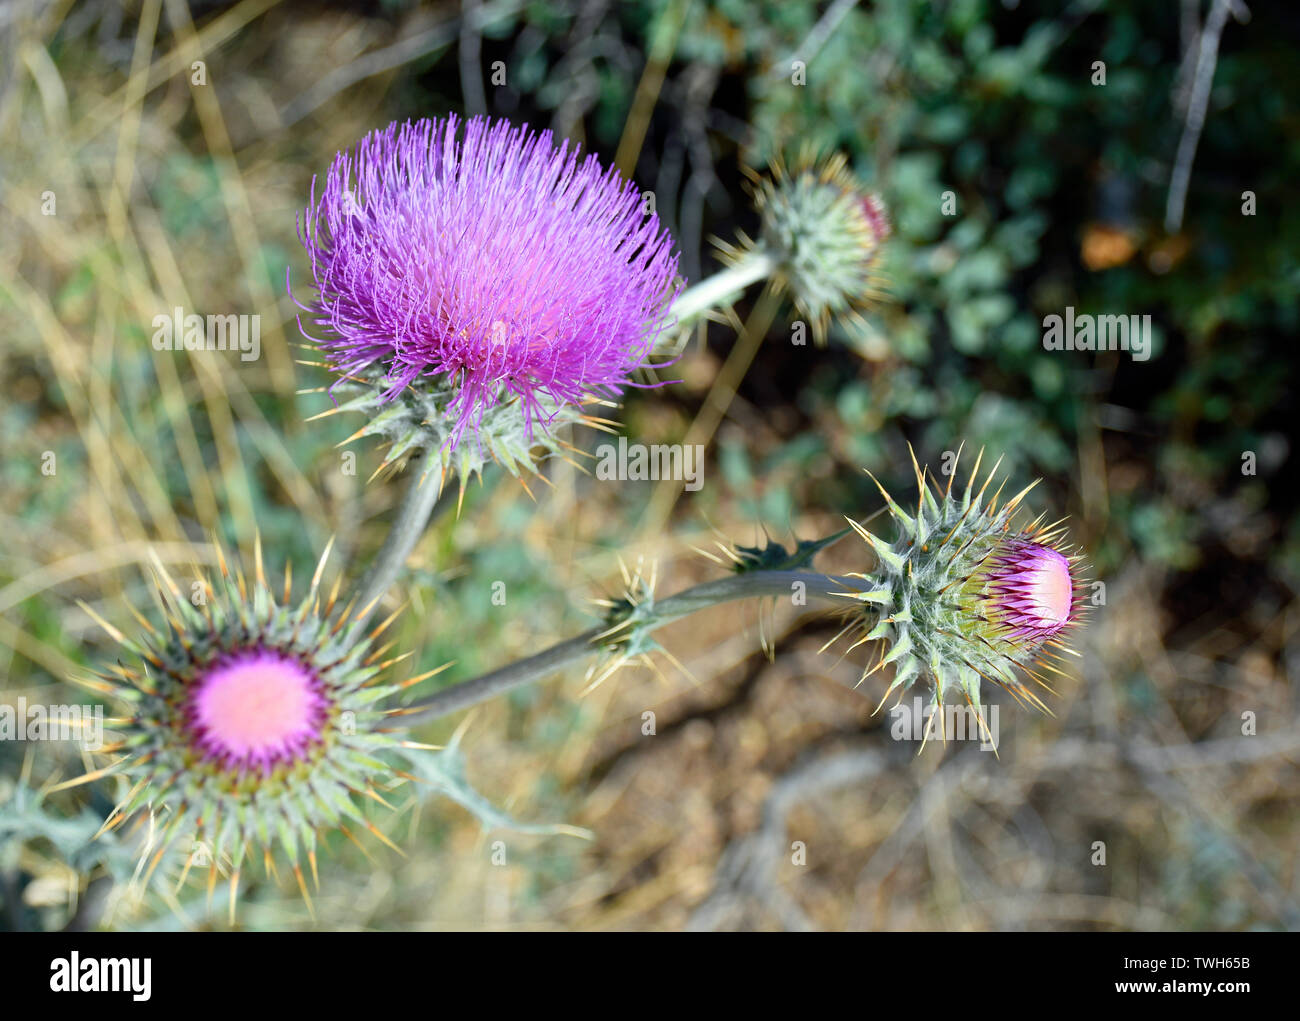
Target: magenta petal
[(1031, 589)]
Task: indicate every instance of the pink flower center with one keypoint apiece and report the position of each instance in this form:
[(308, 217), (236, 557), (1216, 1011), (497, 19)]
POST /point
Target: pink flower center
[(257, 708), (1032, 589), (1050, 588)]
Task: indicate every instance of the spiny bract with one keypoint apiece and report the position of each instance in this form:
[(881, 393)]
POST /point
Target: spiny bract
[(251, 722), (963, 595), (419, 420)]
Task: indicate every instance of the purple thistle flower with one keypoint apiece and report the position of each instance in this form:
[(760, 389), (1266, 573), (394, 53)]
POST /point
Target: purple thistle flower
[(483, 255)]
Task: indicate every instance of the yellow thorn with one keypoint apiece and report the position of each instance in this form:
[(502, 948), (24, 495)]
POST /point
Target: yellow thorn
[(302, 887), (349, 834), (86, 778), (426, 675), (916, 469), (320, 564), (234, 895), (257, 557), (185, 871), (221, 559), (371, 827), (974, 472), (992, 472), (334, 595), (212, 884), (392, 617), (113, 632), (948, 492)]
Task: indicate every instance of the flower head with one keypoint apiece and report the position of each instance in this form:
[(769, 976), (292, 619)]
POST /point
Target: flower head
[(964, 595), (251, 722), (477, 276)]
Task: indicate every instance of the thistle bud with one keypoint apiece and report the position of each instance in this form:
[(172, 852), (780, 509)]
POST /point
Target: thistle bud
[(823, 232), (963, 595)]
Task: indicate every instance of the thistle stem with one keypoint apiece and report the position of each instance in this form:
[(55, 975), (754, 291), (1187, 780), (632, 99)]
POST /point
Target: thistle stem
[(716, 404), (722, 286), (412, 517), (712, 593)]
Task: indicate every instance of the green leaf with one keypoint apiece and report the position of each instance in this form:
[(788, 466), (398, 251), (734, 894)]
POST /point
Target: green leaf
[(445, 771)]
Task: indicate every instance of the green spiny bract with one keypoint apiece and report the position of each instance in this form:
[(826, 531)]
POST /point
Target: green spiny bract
[(773, 556), (629, 620), (626, 631), (936, 597), (420, 419), (204, 794)]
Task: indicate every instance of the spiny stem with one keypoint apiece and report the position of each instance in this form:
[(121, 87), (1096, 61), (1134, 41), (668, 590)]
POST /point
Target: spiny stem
[(412, 517), (534, 668)]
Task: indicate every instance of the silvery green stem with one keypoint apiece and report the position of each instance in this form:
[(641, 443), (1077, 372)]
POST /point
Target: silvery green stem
[(534, 668), (722, 286), (412, 516)]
